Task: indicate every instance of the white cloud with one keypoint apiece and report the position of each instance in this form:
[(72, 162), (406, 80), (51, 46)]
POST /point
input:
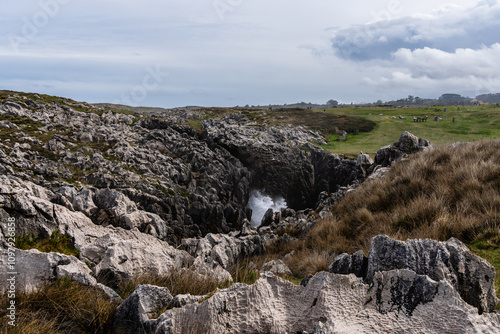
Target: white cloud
[(439, 64), (429, 72), (447, 28)]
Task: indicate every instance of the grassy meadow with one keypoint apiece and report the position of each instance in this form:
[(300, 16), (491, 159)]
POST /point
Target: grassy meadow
[(472, 123)]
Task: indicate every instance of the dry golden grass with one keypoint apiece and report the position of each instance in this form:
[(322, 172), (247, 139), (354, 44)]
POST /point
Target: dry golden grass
[(181, 281), (60, 307), (451, 191)]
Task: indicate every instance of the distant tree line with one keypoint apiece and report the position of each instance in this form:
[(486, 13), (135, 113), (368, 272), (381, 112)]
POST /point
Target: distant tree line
[(445, 99)]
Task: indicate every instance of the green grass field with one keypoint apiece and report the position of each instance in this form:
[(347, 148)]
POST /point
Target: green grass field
[(472, 123)]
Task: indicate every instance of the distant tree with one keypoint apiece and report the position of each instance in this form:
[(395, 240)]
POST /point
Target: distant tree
[(411, 99), (379, 102), (489, 98), (332, 103)]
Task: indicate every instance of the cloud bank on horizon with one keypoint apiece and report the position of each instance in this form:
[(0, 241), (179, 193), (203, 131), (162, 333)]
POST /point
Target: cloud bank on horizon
[(453, 46), (237, 52)]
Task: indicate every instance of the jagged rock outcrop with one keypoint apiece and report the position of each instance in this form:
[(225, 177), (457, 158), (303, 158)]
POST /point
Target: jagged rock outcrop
[(225, 249), (282, 160), (397, 301), (186, 176), (471, 276), (33, 269), (113, 252), (134, 312), (407, 144)]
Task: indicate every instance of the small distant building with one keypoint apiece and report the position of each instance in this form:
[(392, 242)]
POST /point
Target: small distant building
[(477, 102)]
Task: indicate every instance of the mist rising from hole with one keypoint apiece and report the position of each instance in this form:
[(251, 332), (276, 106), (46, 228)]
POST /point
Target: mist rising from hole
[(260, 203)]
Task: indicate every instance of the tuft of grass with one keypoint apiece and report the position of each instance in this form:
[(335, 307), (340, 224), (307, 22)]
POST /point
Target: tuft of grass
[(60, 307), (489, 249), (57, 242), (196, 124), (178, 281)]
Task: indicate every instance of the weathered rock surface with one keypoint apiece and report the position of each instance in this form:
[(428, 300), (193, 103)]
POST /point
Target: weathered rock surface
[(395, 292), (34, 268), (398, 301), (277, 267), (408, 143), (162, 174), (114, 253), (349, 264), (135, 311), (472, 276), (220, 252)]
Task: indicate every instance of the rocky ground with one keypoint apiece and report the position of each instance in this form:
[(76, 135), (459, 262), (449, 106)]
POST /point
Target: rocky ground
[(145, 194)]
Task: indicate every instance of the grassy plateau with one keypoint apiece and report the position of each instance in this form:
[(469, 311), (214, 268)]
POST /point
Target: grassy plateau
[(472, 123)]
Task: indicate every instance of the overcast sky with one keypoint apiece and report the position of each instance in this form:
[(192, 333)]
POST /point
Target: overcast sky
[(234, 52)]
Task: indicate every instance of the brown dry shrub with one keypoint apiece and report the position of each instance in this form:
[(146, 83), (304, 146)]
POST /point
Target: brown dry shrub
[(60, 307), (451, 191)]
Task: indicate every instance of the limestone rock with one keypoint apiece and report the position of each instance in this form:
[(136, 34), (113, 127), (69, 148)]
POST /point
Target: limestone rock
[(472, 276), (346, 264), (398, 301), (408, 143), (277, 267), (35, 268), (183, 300), (83, 201), (114, 202), (132, 315)]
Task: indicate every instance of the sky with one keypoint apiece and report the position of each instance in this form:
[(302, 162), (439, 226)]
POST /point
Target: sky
[(236, 52)]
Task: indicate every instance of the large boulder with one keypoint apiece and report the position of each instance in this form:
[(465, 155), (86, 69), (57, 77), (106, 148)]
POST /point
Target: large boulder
[(132, 315), (472, 276), (407, 144), (34, 269)]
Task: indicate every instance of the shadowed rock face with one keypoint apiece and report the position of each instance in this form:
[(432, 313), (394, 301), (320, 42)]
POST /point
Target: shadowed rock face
[(283, 162), (471, 276)]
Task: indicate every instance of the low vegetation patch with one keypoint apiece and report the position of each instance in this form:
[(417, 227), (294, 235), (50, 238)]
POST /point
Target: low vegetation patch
[(324, 123), (57, 242), (58, 308)]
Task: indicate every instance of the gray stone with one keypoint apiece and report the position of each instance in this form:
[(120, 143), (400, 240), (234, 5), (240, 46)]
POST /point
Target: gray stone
[(35, 268), (472, 276), (346, 264), (132, 315), (183, 300), (277, 267)]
